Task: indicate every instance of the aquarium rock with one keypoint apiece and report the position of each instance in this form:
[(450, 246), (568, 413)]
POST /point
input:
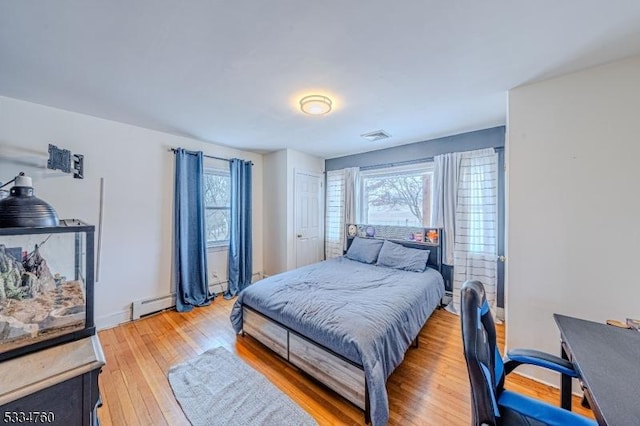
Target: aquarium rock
[(11, 271), (11, 329), (35, 264)]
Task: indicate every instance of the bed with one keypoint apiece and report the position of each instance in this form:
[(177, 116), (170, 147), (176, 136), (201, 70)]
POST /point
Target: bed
[(345, 322)]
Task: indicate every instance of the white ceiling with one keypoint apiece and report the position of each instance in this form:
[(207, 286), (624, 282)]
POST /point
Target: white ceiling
[(231, 72)]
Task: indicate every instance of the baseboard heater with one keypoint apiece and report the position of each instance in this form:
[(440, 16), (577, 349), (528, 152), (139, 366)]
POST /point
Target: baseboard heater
[(144, 307)]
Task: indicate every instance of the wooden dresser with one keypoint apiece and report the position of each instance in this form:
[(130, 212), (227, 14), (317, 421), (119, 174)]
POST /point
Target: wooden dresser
[(58, 385)]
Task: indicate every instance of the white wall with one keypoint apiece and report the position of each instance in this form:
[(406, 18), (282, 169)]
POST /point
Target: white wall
[(279, 174), (138, 172), (275, 208), (572, 164)]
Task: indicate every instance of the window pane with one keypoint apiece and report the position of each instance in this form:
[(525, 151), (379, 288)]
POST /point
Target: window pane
[(402, 198), (218, 222), (216, 189)]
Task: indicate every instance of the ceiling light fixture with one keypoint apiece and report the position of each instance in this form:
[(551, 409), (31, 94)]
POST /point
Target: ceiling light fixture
[(315, 104)]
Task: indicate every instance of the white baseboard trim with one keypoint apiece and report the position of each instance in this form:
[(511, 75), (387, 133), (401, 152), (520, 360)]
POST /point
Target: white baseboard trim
[(111, 320), (140, 308)]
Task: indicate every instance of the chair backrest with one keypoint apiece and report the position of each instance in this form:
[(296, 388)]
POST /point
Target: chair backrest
[(484, 363)]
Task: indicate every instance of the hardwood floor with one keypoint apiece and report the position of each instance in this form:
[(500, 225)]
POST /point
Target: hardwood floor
[(429, 388)]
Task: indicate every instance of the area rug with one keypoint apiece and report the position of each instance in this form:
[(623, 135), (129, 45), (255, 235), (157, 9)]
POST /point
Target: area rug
[(218, 388)]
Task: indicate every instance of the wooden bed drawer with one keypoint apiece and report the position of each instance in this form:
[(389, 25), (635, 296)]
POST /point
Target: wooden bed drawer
[(268, 333), (341, 376)]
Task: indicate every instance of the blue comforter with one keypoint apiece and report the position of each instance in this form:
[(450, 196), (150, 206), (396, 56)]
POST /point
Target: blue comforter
[(366, 313)]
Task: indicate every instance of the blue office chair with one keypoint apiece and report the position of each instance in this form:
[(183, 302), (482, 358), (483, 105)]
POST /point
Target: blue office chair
[(491, 403)]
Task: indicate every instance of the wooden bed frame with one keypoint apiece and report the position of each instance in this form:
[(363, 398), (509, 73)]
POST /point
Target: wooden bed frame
[(338, 373), (331, 369)]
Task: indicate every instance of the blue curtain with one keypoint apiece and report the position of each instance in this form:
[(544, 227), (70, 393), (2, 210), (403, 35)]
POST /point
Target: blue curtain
[(190, 245), (240, 262)]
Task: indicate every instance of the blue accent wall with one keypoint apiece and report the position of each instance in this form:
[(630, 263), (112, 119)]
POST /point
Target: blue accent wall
[(487, 138), (479, 139)]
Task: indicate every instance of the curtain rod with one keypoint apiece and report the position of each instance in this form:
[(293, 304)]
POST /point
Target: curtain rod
[(410, 162), (396, 164), (208, 156)]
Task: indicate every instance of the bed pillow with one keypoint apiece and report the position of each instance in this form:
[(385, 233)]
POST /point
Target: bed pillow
[(364, 250), (397, 256)]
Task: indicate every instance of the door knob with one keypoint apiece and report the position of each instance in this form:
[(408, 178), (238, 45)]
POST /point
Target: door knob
[(299, 235)]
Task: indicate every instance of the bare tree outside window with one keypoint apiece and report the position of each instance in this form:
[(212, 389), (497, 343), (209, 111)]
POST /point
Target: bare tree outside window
[(217, 206), (398, 199)]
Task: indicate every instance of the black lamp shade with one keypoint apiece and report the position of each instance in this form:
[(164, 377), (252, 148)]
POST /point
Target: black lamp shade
[(23, 209)]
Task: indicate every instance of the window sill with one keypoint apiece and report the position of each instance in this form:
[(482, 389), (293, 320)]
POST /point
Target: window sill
[(218, 247)]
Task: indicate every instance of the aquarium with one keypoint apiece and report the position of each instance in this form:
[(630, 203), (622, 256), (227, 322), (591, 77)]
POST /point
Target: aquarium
[(46, 286)]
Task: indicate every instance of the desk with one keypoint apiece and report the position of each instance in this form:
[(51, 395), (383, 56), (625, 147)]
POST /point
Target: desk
[(607, 359)]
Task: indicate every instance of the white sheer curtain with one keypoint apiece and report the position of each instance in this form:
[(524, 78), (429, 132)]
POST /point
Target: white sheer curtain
[(466, 207), (476, 220), (343, 191), (334, 214), (352, 192), (445, 198), (351, 196)]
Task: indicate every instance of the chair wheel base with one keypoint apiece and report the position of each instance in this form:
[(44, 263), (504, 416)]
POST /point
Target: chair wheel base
[(585, 402)]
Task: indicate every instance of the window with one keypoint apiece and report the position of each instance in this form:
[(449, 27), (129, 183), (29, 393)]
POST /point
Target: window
[(217, 206), (397, 196), (393, 196)]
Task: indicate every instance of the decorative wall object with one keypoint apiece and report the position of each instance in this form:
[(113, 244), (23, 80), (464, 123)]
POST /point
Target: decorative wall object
[(65, 161)]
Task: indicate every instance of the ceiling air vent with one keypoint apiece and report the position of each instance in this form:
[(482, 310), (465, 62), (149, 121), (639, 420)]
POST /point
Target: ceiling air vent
[(376, 135)]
